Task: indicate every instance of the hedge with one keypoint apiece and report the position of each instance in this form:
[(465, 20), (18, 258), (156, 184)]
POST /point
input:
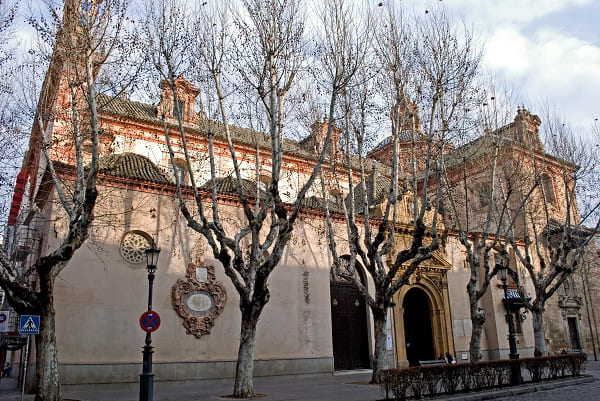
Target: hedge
[(431, 381)]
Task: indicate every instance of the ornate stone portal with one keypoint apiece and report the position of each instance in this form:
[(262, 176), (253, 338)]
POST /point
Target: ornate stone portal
[(199, 299), (430, 278)]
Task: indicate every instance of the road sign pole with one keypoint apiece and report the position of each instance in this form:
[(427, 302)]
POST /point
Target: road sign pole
[(25, 367), (147, 377)]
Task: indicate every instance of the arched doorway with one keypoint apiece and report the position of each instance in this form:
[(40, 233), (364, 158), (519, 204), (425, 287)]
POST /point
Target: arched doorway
[(418, 331), (348, 325)]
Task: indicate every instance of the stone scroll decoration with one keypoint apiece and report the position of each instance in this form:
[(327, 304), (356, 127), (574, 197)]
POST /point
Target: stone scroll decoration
[(199, 299)]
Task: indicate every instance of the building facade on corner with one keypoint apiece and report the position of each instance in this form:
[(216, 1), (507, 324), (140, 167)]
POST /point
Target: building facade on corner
[(313, 323)]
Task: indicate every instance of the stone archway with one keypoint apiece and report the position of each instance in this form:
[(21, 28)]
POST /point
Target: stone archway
[(418, 333), (432, 288)]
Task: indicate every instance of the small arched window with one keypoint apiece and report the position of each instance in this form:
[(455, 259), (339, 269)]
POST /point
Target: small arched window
[(548, 188), (264, 180), (179, 171)]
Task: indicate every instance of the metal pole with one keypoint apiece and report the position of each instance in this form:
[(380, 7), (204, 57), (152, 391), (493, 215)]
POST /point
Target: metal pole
[(150, 284), (512, 341), (25, 368), (147, 377)]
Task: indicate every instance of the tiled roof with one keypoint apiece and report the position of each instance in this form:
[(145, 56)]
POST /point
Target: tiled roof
[(145, 112), (134, 166), (126, 107), (377, 185), (382, 144), (228, 186), (122, 107), (404, 136), (316, 203)]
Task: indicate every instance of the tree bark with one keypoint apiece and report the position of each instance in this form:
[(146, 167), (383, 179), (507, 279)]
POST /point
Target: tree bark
[(379, 320), (244, 372), (477, 321), (538, 332), (48, 385)]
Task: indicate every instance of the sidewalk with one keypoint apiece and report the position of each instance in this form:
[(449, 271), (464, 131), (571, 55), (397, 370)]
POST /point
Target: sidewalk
[(344, 386)]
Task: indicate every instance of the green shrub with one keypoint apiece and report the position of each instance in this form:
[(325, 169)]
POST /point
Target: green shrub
[(399, 384)]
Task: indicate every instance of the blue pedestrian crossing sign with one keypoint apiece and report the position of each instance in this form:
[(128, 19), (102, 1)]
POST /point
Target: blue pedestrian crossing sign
[(30, 324)]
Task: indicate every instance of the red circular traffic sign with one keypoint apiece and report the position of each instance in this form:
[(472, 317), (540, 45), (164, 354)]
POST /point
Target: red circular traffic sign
[(3, 317), (149, 321)]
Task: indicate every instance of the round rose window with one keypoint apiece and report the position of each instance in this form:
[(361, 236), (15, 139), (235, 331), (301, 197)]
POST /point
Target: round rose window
[(133, 247)]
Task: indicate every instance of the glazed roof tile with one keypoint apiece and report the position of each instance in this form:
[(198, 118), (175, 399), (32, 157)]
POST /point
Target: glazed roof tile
[(228, 186), (121, 107), (134, 166), (127, 108)]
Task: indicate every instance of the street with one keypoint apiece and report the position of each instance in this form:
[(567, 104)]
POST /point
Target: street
[(343, 387)]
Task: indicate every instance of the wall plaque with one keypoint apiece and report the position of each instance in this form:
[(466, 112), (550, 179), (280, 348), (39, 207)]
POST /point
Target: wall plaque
[(199, 299)]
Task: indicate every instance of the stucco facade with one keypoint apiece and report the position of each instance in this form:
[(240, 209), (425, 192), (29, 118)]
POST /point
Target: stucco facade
[(99, 297)]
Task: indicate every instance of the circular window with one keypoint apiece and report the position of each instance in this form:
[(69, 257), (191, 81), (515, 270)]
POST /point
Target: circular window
[(133, 247)]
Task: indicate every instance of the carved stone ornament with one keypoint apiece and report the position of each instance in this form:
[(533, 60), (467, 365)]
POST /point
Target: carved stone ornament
[(199, 299)]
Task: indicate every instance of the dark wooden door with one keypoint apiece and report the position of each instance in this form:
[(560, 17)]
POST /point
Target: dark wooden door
[(349, 327), (573, 333)]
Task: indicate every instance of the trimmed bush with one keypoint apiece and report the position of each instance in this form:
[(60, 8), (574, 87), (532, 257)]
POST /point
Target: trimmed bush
[(416, 382)]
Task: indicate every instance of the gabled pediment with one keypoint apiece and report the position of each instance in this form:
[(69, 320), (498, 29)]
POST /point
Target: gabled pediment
[(437, 261)]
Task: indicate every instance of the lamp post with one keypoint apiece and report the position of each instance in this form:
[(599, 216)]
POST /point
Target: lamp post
[(512, 341), (147, 377)]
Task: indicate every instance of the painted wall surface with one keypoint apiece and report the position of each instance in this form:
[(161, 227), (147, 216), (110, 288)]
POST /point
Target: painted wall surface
[(100, 296)]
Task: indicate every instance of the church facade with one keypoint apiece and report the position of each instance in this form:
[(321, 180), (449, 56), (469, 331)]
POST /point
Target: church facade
[(312, 323)]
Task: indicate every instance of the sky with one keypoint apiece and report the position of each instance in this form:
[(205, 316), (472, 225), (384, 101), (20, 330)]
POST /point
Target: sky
[(548, 49)]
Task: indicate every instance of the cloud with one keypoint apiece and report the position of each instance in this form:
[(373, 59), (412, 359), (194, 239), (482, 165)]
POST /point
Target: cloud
[(549, 65), (507, 50), (518, 12)]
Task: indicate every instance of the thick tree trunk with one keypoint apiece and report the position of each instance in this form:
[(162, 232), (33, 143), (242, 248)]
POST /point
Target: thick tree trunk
[(244, 373), (48, 385), (538, 332), (379, 320), (477, 321)]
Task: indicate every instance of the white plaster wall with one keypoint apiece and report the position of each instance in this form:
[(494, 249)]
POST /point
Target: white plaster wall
[(99, 296)]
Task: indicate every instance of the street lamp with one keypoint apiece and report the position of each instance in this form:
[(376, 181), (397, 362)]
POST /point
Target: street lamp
[(512, 341), (147, 377)]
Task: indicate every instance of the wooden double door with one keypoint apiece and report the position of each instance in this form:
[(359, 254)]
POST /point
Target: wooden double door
[(349, 327)]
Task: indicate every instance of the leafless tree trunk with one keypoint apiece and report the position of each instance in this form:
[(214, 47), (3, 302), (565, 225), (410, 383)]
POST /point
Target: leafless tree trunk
[(82, 40), (425, 69), (480, 206), (12, 136), (555, 233), (250, 53)]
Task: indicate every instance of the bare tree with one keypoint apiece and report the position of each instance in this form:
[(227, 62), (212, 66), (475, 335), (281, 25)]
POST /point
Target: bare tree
[(479, 205), (65, 160), (12, 137), (425, 70), (249, 56), (554, 232)]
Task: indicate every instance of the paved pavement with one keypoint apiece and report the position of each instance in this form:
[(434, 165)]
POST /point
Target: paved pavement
[(343, 387)]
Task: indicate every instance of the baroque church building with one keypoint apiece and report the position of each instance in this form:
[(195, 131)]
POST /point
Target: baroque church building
[(313, 322)]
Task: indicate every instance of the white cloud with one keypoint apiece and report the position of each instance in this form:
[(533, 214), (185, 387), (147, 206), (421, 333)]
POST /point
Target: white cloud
[(507, 50), (520, 12), (550, 65)]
